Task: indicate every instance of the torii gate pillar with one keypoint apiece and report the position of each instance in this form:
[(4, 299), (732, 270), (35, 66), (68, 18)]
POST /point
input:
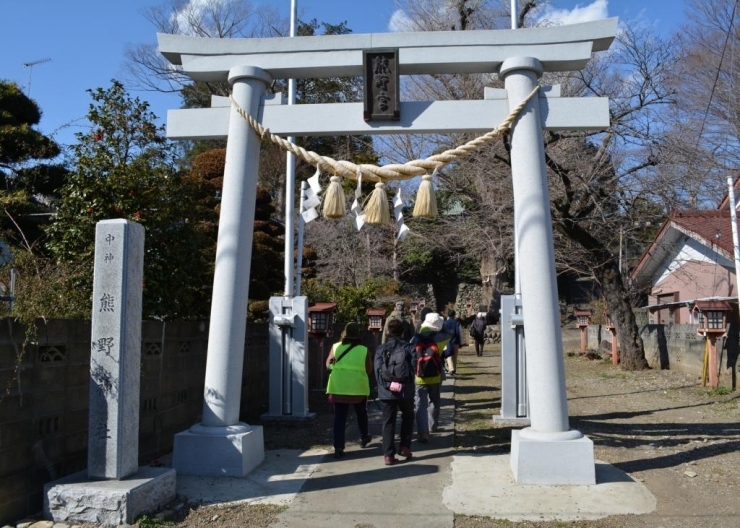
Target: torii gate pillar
[(547, 452), (221, 445)]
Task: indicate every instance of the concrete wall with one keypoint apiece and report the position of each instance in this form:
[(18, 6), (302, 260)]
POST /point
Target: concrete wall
[(693, 280), (676, 347), (44, 408)]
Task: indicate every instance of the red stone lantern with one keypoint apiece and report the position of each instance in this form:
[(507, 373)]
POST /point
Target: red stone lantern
[(321, 319), (320, 324), (583, 319), (375, 322), (712, 324)]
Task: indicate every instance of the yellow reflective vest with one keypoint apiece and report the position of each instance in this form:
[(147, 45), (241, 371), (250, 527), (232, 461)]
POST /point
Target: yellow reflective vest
[(348, 375)]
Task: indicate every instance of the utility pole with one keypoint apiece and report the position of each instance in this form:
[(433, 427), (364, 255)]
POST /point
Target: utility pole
[(30, 66)]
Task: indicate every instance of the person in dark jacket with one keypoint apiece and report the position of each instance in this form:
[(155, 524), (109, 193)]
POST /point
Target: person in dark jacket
[(396, 394), (422, 315), (478, 332), (399, 313), (452, 327)]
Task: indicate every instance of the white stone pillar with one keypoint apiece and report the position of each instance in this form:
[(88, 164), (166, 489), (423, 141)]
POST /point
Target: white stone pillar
[(222, 445), (548, 452), (233, 254)]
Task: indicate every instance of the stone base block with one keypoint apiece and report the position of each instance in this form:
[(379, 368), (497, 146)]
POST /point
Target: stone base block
[(267, 417), (552, 458), (232, 451), (75, 499), (500, 421)]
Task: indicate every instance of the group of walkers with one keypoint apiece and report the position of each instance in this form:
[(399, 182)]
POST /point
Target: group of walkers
[(408, 366)]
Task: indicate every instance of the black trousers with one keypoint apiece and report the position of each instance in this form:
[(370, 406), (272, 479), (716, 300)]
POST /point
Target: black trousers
[(341, 410), (478, 346), (390, 411)]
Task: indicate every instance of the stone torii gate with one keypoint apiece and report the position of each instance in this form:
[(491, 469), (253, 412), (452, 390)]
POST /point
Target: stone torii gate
[(548, 452)]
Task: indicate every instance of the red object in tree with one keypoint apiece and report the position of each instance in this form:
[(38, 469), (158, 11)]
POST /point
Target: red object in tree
[(99, 135)]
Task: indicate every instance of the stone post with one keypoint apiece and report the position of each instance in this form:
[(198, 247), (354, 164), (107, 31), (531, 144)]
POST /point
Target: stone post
[(115, 357), (222, 445), (548, 452), (114, 490)]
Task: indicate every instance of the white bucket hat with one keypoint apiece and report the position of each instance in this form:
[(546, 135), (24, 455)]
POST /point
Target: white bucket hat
[(433, 321)]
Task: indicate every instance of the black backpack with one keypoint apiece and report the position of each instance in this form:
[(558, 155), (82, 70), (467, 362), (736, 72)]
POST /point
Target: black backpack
[(395, 365), (428, 363)]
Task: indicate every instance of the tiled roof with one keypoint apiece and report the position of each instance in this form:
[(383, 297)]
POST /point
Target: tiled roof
[(714, 226)]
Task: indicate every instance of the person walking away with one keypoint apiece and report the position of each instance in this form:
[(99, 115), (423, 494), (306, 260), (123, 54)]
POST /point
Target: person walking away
[(428, 374), (422, 315), (394, 370), (478, 332), (453, 328), (349, 384), (399, 313)]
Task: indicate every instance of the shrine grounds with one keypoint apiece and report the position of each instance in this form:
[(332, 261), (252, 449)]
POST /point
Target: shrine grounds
[(662, 428), (679, 439)]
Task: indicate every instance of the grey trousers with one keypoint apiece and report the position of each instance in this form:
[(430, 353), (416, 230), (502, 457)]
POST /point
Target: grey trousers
[(427, 416)]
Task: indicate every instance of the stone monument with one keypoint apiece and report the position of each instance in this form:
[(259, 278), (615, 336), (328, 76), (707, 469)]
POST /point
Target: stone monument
[(114, 489)]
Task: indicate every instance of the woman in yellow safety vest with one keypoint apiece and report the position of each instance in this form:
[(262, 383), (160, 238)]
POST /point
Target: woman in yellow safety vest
[(349, 384)]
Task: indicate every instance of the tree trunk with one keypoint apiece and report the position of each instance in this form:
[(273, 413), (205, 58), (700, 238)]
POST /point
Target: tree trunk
[(631, 347), (632, 350), (445, 293)]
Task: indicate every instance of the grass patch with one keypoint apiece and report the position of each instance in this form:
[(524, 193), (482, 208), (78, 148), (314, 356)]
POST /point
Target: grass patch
[(612, 375), (719, 391), (151, 522)]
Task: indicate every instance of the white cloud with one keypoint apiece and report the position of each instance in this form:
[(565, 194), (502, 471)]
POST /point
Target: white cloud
[(193, 10), (580, 13), (400, 21)]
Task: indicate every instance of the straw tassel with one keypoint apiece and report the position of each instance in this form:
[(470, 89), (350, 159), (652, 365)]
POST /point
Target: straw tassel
[(426, 202), (334, 201), (376, 209)]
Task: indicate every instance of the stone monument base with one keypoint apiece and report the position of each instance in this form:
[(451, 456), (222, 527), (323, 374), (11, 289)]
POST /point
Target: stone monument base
[(267, 417), (232, 451), (500, 421), (75, 499), (565, 458)]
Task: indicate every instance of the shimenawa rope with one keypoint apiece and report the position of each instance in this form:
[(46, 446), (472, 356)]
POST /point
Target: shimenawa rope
[(425, 206)]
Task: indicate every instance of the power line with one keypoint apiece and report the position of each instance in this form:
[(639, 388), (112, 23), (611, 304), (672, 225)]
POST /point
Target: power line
[(719, 69)]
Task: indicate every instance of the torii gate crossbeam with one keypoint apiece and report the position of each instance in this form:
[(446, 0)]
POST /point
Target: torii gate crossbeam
[(548, 452)]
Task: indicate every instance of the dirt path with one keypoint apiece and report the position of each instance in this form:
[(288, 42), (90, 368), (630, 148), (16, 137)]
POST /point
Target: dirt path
[(661, 427)]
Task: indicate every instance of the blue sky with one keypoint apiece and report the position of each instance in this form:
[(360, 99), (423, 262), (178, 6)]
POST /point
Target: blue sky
[(85, 40)]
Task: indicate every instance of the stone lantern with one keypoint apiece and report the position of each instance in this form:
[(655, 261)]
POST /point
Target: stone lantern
[(712, 324), (320, 324), (609, 325), (583, 319), (375, 323)]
